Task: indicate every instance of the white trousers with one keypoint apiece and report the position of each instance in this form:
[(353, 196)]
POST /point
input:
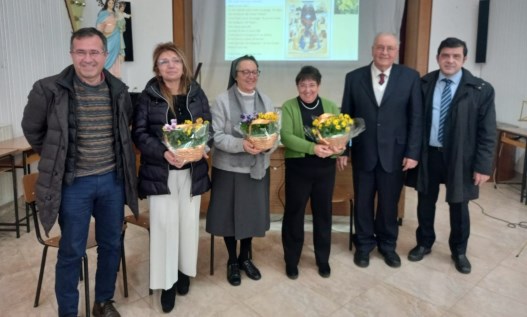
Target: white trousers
[(174, 231)]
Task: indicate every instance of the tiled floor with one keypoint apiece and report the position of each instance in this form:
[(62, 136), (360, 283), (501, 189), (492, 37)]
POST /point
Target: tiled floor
[(497, 285)]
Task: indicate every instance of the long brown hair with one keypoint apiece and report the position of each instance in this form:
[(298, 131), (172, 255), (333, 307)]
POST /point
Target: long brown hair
[(186, 78)]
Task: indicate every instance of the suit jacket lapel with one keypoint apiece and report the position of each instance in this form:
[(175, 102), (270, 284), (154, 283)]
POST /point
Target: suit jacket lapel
[(392, 82), (367, 85)]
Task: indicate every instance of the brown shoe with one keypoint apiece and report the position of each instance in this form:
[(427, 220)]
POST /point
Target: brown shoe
[(105, 309)]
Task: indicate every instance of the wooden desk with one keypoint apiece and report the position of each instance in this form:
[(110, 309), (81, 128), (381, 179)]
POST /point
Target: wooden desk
[(343, 181), (20, 143), (516, 137), (7, 163), (22, 146)]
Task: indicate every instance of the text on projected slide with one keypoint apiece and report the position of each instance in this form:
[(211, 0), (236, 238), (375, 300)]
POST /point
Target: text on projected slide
[(292, 29)]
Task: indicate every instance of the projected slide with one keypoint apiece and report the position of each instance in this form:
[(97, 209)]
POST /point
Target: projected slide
[(292, 29)]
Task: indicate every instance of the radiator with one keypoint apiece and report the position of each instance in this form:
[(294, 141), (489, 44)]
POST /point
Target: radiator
[(6, 183)]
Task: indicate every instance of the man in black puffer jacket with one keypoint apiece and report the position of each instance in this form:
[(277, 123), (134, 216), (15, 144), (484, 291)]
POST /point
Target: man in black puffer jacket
[(78, 122)]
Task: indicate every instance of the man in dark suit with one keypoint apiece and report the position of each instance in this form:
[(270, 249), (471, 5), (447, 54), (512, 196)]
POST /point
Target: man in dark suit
[(457, 150), (387, 96)]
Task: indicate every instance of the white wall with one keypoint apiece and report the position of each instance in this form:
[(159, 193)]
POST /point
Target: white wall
[(506, 64), (451, 18), (34, 39), (34, 43), (152, 24)]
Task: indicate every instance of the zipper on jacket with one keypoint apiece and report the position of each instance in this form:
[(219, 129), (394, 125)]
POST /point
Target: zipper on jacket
[(191, 118)]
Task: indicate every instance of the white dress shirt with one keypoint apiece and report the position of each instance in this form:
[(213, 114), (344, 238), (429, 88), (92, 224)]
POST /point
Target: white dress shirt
[(378, 89), (436, 105)]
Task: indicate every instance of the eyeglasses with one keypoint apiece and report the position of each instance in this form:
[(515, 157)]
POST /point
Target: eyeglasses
[(307, 86), (381, 48), (246, 72), (165, 62), (92, 53)]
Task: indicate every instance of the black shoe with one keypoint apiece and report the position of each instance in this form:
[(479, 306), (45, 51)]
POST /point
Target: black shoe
[(291, 272), (168, 299), (105, 309), (183, 283), (391, 258), (251, 270), (462, 263), (417, 253), (361, 259), (233, 274), (324, 270)]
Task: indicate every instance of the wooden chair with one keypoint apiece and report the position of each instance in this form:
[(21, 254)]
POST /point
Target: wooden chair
[(27, 158), (341, 195), (143, 221), (29, 183)]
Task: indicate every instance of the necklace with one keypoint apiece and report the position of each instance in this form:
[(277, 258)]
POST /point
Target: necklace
[(316, 105)]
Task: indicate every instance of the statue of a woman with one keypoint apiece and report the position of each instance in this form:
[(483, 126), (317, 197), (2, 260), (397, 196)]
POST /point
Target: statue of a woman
[(107, 24)]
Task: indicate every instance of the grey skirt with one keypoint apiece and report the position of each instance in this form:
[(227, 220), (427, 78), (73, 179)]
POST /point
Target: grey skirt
[(239, 205)]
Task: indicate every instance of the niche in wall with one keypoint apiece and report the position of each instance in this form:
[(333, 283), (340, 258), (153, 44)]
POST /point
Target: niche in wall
[(126, 15)]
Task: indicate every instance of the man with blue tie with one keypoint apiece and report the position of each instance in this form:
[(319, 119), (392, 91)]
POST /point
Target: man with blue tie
[(460, 136), (387, 96)]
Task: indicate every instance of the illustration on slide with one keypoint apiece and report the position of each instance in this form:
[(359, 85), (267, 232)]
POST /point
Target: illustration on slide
[(308, 28)]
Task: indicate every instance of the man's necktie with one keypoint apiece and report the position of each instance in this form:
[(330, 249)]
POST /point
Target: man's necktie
[(381, 78), (446, 99)]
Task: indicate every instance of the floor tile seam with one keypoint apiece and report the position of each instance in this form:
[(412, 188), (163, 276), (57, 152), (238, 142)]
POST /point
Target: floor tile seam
[(416, 298), (506, 296), (469, 287)]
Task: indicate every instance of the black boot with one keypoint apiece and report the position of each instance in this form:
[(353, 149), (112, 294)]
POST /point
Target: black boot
[(168, 299), (183, 283)]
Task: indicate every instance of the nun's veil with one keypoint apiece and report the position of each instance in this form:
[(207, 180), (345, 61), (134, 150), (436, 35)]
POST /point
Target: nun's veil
[(234, 67)]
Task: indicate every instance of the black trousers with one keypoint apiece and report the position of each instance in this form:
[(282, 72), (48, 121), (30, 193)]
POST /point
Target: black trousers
[(426, 209), (376, 227), (308, 178)]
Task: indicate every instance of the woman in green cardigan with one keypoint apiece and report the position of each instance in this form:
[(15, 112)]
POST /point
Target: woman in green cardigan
[(309, 173)]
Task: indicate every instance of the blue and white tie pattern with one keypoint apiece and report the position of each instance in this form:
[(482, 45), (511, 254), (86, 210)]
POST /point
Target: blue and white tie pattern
[(446, 99)]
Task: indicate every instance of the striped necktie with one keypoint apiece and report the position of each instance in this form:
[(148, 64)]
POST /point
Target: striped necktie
[(446, 99)]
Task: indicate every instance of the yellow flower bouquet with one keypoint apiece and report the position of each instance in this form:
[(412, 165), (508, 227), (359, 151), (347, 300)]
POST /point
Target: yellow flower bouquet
[(335, 130), (187, 140), (261, 129)]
